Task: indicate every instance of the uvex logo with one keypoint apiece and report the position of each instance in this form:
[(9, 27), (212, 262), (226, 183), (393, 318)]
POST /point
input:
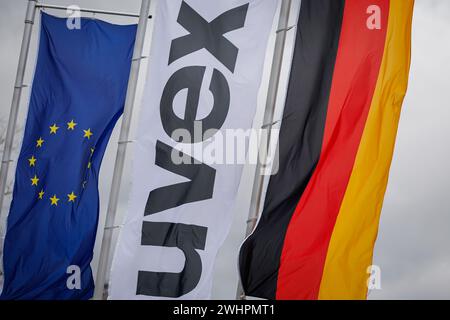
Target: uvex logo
[(201, 177)]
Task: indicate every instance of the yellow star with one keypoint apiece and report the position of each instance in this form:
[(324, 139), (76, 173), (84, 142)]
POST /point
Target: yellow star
[(32, 161), (39, 142), (89, 165), (54, 200), (87, 133), (92, 151), (41, 195), (53, 129), (34, 180), (72, 197), (71, 125)]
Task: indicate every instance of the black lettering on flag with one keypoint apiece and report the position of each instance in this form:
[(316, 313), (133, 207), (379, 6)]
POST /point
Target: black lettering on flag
[(199, 188), (208, 35), (187, 238), (191, 78)]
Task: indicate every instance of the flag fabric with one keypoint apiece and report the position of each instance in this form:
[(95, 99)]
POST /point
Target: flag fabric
[(316, 234), (77, 96), (206, 69)]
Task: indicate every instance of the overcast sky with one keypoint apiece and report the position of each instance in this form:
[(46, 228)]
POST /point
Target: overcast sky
[(414, 237)]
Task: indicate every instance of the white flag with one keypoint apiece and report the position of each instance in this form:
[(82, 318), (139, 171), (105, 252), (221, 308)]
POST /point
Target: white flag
[(205, 70)]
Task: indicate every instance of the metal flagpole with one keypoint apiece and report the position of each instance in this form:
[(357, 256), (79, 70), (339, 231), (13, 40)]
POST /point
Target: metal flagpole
[(23, 57), (274, 81), (107, 12), (121, 150)]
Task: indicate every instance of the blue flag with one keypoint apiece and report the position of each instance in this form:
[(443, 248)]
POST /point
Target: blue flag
[(78, 94)]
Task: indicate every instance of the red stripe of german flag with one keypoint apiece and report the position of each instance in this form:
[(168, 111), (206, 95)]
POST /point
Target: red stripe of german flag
[(321, 246)]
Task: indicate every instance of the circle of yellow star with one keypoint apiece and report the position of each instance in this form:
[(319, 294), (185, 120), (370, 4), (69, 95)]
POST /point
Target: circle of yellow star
[(71, 125), (87, 133), (39, 142), (72, 197), (54, 200), (53, 129), (34, 180), (32, 161), (41, 195)]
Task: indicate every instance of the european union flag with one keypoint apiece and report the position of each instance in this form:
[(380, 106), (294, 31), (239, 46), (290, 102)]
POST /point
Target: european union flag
[(78, 94)]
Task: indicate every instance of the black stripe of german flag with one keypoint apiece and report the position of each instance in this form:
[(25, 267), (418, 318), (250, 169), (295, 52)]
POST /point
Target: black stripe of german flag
[(301, 137)]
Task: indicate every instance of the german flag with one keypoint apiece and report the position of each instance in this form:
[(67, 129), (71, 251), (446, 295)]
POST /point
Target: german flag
[(316, 234)]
